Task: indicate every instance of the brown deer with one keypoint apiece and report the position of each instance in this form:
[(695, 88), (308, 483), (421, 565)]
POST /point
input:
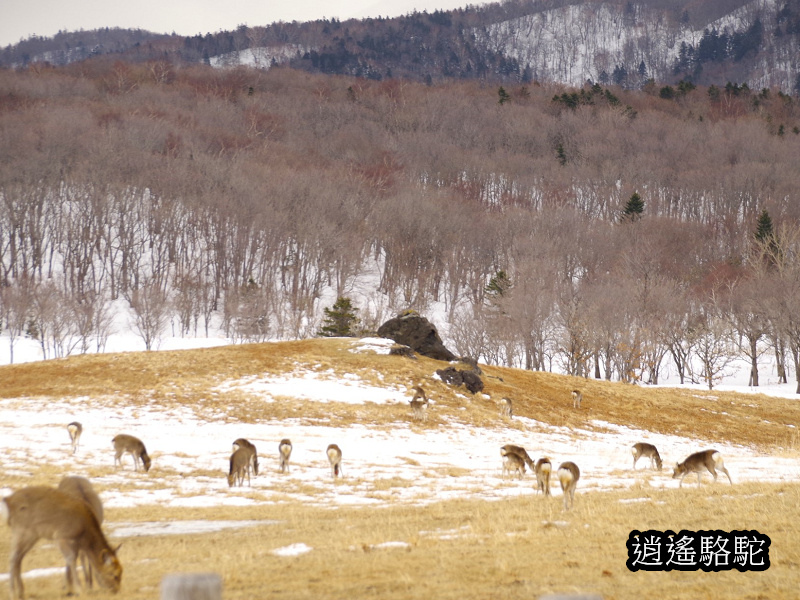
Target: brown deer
[(506, 408), (75, 430), (707, 460), (577, 397), (645, 450), (45, 512), (251, 450), (543, 468), (512, 462), (127, 444), (81, 488), (335, 458), (285, 452), (519, 451), (419, 404), (241, 462), (568, 475)]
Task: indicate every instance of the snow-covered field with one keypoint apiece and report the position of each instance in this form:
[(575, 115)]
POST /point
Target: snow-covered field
[(406, 463)]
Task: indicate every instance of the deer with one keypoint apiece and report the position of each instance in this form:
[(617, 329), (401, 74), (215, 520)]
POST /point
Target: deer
[(75, 430), (284, 452), (127, 444), (645, 450), (707, 460), (519, 451), (419, 404), (44, 512), (251, 450), (335, 457), (542, 469), (568, 475), (240, 463), (577, 397), (513, 462), (506, 408), (81, 488)]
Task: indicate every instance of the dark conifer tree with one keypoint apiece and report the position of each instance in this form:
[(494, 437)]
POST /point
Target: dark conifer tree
[(340, 320), (634, 208)]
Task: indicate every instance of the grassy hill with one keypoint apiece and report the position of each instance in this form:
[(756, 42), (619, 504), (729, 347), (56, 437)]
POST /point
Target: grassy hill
[(367, 536)]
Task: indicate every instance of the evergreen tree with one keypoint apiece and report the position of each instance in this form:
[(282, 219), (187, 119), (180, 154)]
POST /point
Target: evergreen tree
[(764, 232), (499, 284), (633, 208), (503, 95), (340, 320)]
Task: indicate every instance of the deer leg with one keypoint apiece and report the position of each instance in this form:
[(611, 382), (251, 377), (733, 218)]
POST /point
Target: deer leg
[(70, 553), (20, 545)]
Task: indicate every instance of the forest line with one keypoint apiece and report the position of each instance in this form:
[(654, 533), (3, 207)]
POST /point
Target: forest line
[(244, 198)]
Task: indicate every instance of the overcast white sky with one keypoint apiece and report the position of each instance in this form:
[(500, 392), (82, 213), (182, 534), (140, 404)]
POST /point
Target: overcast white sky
[(20, 19)]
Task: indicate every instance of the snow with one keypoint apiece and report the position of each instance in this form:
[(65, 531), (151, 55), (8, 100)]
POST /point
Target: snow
[(399, 463)]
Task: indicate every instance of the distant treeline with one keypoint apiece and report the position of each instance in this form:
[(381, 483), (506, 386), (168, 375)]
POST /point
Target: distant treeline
[(601, 230)]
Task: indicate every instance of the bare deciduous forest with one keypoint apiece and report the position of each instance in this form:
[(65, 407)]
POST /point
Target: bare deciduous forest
[(600, 231)]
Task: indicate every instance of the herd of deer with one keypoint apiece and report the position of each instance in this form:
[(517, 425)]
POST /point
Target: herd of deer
[(516, 457), (71, 514)]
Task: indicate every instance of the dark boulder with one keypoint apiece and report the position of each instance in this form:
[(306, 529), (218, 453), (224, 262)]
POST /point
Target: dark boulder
[(455, 377), (415, 331)]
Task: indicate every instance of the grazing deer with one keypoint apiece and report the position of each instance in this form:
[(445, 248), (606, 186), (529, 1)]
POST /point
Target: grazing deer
[(75, 430), (127, 444), (81, 488), (335, 457), (542, 469), (512, 462), (577, 397), (647, 451), (568, 475), (45, 512), (241, 461), (419, 404), (506, 409), (285, 452), (707, 460), (251, 450), (519, 451)]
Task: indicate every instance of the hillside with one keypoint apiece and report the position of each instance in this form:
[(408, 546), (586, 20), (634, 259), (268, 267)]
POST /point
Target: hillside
[(517, 41), (411, 491)]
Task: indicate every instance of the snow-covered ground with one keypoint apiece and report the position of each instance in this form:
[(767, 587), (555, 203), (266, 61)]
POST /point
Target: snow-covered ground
[(406, 463)]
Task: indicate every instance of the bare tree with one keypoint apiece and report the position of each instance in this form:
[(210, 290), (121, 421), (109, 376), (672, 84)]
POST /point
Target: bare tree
[(15, 303), (715, 346), (151, 313)]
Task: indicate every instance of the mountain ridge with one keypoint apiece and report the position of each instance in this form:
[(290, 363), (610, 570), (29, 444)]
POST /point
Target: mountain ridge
[(624, 43)]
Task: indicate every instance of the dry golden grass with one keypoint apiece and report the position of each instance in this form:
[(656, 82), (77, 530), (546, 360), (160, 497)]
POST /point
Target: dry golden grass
[(517, 548), (185, 378)]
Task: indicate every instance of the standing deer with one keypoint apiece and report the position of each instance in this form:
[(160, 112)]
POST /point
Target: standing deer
[(647, 451), (543, 468), (240, 465), (568, 475), (519, 451), (285, 452), (512, 462), (707, 460), (81, 488), (335, 457), (577, 397), (127, 444), (506, 408), (419, 404), (251, 451), (75, 430), (44, 512)]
